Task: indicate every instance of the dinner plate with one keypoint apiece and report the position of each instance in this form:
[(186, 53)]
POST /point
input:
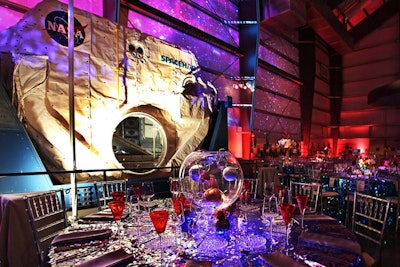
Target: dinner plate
[(213, 243), (251, 242)]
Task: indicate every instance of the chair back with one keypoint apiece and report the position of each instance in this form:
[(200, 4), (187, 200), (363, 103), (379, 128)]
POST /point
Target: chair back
[(369, 217), (369, 222), (310, 189), (47, 216), (104, 189)]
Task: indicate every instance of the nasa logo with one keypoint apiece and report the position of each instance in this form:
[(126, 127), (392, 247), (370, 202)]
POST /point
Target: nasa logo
[(56, 24)]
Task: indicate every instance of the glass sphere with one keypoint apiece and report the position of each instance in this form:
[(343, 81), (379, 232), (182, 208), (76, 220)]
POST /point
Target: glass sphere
[(211, 179)]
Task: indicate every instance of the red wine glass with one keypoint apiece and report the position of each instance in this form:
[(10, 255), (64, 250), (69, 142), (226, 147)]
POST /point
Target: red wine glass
[(302, 201), (287, 211), (117, 210), (118, 196), (159, 217), (178, 218)]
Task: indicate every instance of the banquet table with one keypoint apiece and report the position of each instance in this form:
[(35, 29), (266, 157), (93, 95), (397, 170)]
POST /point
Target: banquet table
[(17, 246), (100, 242), (381, 187)]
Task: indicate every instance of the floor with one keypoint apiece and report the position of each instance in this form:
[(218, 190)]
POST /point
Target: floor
[(391, 249)]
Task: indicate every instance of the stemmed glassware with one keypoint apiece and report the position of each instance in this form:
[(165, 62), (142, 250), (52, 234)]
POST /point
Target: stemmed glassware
[(302, 201), (178, 218), (117, 210), (118, 195), (268, 189), (174, 185), (159, 217), (147, 192), (268, 215), (287, 211), (280, 195), (137, 192), (245, 192)]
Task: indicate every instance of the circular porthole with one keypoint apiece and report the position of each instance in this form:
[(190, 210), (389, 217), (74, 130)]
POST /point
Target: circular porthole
[(139, 143)]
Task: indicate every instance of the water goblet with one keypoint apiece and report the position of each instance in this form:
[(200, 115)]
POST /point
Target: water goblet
[(280, 196), (174, 185), (147, 191), (268, 215), (302, 201), (137, 190), (287, 211)]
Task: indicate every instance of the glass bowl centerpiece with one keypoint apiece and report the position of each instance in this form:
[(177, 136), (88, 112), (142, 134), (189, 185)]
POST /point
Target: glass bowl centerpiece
[(211, 180)]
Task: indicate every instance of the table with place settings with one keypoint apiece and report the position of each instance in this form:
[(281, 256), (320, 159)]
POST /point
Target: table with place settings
[(97, 241)]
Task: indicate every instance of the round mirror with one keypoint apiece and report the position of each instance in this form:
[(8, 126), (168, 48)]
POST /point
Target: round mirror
[(139, 143)]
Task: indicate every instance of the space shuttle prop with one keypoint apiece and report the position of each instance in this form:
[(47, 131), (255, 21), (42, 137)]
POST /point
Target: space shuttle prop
[(118, 71)]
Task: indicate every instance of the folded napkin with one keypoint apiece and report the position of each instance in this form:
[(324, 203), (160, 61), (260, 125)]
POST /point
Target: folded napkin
[(317, 239), (102, 216), (81, 237), (112, 259), (278, 259)]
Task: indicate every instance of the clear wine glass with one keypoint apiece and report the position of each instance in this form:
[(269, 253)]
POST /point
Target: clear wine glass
[(174, 185), (280, 195), (137, 190), (268, 215), (147, 192), (246, 190)]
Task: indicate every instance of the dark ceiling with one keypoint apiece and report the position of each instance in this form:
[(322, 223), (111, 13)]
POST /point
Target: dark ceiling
[(342, 23)]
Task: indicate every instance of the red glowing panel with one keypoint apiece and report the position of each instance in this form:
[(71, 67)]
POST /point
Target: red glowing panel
[(235, 141), (246, 144)]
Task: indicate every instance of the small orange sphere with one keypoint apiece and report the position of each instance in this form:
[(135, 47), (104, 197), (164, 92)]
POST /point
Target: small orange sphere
[(213, 195)]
